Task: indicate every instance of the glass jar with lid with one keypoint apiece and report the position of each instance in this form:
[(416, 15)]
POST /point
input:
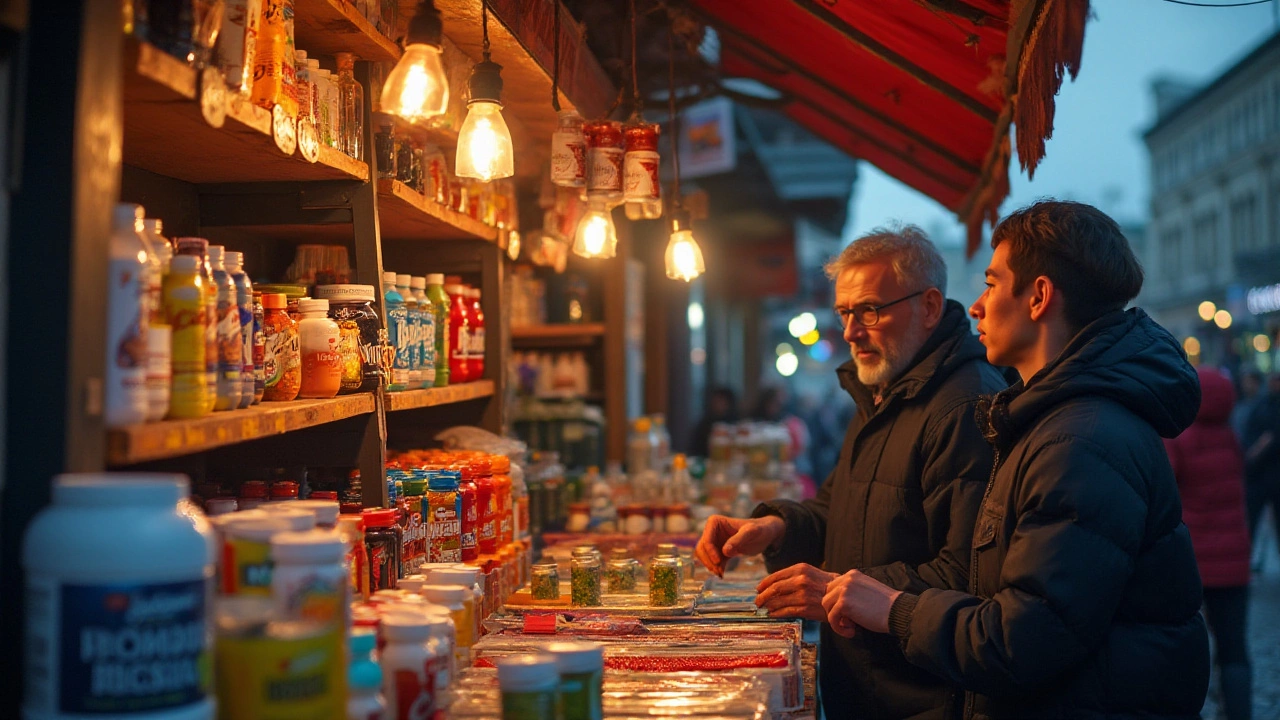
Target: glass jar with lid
[(585, 580), (352, 307), (621, 574), (544, 582), (664, 581)]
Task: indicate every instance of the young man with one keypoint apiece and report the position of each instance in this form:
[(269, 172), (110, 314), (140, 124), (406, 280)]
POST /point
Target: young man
[(1083, 597), (902, 499)]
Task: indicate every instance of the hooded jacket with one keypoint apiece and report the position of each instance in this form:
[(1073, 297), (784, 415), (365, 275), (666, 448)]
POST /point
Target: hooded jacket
[(1084, 596), (900, 506), (1209, 467)]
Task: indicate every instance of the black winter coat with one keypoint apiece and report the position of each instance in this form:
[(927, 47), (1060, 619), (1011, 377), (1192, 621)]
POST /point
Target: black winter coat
[(900, 506), (1084, 597)]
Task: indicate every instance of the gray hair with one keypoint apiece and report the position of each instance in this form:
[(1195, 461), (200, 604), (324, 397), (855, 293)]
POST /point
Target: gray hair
[(915, 260)]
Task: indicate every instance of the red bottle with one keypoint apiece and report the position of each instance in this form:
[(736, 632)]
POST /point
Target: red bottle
[(475, 360), (459, 334), (487, 503), (470, 513)]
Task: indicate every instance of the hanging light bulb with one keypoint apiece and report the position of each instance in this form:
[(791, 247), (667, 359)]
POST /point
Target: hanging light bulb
[(418, 89), (683, 256), (484, 142), (596, 236)]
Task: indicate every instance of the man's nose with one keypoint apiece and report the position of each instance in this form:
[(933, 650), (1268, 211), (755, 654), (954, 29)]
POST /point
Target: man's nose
[(854, 331)]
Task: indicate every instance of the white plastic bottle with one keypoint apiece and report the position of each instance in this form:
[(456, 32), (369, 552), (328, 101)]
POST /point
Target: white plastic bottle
[(159, 334), (321, 359), (127, 320), (410, 666), (114, 559), (230, 341)]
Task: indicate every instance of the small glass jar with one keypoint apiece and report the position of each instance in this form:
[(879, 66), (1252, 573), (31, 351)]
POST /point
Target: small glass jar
[(664, 581), (385, 147), (569, 151), (669, 550), (686, 557), (620, 577), (544, 583), (585, 580)]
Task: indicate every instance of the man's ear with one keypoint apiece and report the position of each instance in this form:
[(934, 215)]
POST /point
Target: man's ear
[(934, 305), (1043, 297)]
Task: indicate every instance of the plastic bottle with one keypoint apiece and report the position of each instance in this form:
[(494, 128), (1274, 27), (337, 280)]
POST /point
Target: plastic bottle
[(282, 363), (503, 492), (640, 447), (259, 349), (414, 325), (427, 341), (364, 680), (411, 665), (397, 332), (234, 263), (199, 248), (351, 528), (470, 514), (475, 357), (460, 602), (441, 305), (519, 515), (459, 334), (109, 537), (128, 272), (159, 335), (230, 341), (487, 511), (306, 88), (530, 686), (321, 361), (184, 307)]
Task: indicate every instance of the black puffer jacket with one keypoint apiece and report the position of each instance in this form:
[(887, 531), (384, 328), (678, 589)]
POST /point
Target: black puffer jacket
[(900, 505), (1084, 598)]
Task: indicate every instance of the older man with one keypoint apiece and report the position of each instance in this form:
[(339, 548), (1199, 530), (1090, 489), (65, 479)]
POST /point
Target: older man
[(900, 504), (1084, 597)]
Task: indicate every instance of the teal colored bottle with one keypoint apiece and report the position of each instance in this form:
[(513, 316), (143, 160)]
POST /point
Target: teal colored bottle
[(397, 332)]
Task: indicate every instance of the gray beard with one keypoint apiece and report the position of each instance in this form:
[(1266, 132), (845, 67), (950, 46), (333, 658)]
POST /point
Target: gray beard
[(893, 360)]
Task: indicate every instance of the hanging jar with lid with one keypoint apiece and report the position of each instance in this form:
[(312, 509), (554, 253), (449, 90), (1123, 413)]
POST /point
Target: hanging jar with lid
[(604, 160), (642, 188), (569, 151)]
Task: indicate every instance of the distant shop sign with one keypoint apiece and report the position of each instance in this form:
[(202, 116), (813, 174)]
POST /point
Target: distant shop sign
[(1263, 299)]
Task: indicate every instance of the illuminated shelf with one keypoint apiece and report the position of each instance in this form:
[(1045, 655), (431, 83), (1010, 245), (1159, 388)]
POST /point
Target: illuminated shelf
[(566, 334), (325, 27), (432, 397), (173, 438), (406, 214)]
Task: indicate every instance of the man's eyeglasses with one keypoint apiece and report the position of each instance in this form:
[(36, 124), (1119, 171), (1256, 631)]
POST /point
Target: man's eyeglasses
[(867, 314)]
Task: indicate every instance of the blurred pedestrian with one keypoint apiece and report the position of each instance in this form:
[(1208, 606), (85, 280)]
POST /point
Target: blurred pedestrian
[(1261, 444), (773, 408), (1250, 394), (1209, 467), (722, 407)]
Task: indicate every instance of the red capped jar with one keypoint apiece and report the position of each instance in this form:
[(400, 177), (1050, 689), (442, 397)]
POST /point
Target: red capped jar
[(284, 491), (252, 494), (467, 490), (382, 541), (487, 502), (641, 163), (604, 159)]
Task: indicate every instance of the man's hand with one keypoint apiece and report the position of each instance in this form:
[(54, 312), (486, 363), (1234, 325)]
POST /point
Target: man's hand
[(855, 599), (725, 537), (795, 592)]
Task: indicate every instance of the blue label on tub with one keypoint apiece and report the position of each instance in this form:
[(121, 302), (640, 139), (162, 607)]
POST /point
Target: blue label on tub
[(133, 648)]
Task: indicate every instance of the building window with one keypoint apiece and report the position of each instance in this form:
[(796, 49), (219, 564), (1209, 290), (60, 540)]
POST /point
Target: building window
[(1245, 235), (1204, 242), (1173, 253)]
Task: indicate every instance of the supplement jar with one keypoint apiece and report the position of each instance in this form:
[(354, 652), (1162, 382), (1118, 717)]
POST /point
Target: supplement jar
[(111, 559), (530, 686), (352, 307), (581, 666)]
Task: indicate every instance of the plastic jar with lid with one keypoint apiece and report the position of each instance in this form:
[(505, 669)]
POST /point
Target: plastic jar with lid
[(325, 511), (297, 519), (664, 581), (461, 605), (351, 529), (470, 517), (220, 506), (505, 500), (318, 341), (411, 665), (284, 491), (530, 686), (105, 535), (352, 307), (579, 517), (382, 542), (620, 576), (678, 518), (415, 525), (246, 552), (468, 577), (253, 493), (581, 666), (443, 507), (309, 582), (486, 507)]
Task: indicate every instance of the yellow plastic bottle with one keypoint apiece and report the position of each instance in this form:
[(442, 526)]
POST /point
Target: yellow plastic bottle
[(184, 308)]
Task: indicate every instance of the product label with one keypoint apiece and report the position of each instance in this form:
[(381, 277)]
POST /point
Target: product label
[(640, 176), (568, 158), (606, 170), (281, 354), (398, 332), (125, 648), (444, 528), (274, 677), (428, 348), (230, 340), (382, 572), (414, 691), (246, 567), (130, 294)]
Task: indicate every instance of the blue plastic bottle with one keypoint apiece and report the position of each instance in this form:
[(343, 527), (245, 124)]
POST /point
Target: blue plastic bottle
[(397, 332)]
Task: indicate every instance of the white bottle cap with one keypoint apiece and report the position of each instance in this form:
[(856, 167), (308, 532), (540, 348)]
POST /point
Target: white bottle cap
[(435, 279), (119, 489), (418, 283), (577, 657), (307, 306), (155, 226), (215, 255), (405, 627), (300, 57), (313, 64), (128, 214), (447, 594), (402, 280), (324, 511), (411, 583), (184, 264), (346, 293), (312, 546), (297, 519), (388, 277), (452, 576), (233, 260), (528, 673), (252, 527)]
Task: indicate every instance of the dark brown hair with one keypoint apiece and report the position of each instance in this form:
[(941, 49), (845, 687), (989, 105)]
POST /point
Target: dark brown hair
[(1078, 247)]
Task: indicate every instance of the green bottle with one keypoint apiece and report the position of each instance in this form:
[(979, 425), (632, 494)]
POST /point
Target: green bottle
[(440, 304)]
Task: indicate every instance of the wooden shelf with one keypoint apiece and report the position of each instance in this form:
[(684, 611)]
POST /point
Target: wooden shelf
[(405, 214), (567, 334), (414, 399), (165, 132), (325, 27), (173, 438)]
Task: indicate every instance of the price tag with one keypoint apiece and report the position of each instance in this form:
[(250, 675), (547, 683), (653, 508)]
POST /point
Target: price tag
[(213, 97), (308, 140), (284, 129)]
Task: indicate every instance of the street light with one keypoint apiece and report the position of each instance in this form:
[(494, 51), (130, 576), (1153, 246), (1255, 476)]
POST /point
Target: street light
[(1222, 319), (1207, 309)]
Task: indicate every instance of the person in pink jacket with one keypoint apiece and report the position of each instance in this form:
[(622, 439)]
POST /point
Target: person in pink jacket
[(1209, 467)]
